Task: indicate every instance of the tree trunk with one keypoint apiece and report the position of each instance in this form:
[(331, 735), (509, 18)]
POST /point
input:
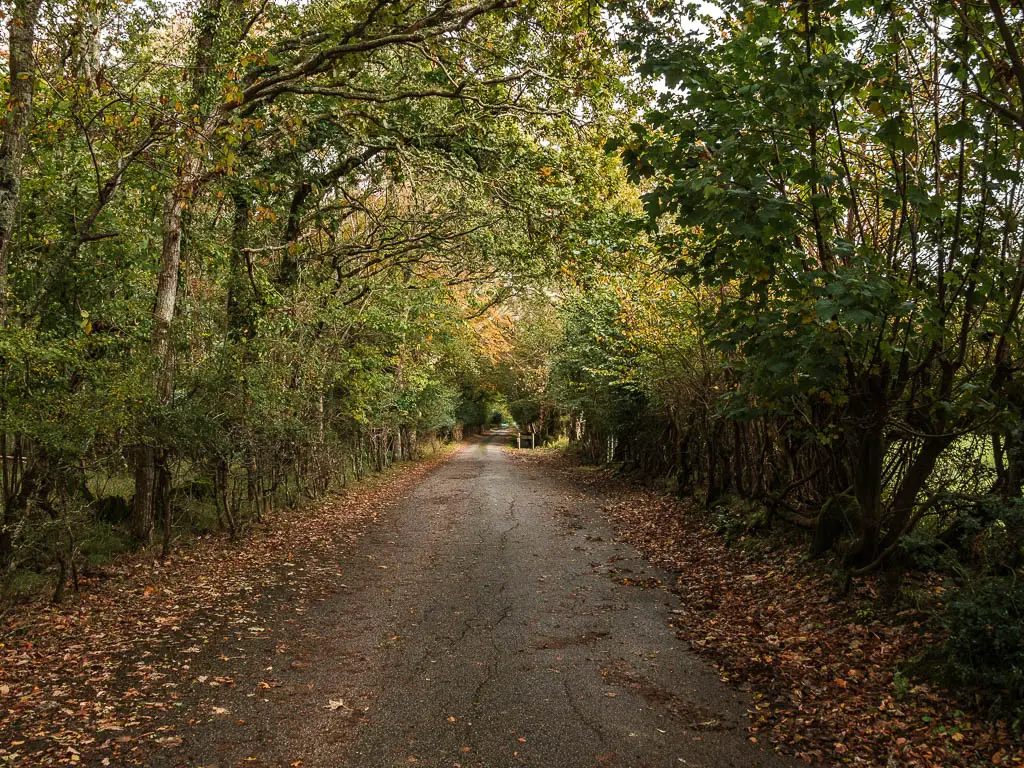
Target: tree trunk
[(239, 300), (161, 348), (1014, 466), (208, 16), (1008, 451), (141, 521), (916, 476), (867, 486), (22, 69), (252, 486), (162, 502), (868, 458), (84, 43)]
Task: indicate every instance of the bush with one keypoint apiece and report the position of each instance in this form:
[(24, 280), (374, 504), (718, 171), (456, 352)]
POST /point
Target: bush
[(734, 518), (101, 543), (985, 646)]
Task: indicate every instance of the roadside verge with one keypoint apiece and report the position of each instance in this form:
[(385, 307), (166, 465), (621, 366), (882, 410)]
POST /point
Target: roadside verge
[(823, 671), (95, 680)]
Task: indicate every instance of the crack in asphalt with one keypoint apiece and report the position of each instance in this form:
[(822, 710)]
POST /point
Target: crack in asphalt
[(490, 666), (573, 702)]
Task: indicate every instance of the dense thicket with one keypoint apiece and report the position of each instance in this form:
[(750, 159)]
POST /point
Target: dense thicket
[(240, 244), (822, 321)]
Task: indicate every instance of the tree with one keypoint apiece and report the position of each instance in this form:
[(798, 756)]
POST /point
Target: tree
[(848, 180), (252, 240)]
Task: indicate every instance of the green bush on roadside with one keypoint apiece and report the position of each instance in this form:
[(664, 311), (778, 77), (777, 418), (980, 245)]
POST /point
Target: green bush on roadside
[(984, 648)]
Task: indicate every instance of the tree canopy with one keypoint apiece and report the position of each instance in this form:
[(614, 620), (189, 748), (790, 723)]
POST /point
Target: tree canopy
[(243, 243)]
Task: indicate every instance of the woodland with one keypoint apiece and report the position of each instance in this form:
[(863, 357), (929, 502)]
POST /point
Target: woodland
[(765, 256)]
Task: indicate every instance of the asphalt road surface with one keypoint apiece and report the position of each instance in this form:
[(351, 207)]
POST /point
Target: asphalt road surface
[(482, 622)]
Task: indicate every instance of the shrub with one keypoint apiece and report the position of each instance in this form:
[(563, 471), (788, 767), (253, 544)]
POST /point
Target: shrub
[(984, 648)]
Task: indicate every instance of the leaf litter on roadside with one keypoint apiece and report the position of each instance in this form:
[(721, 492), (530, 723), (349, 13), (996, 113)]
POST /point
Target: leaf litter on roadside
[(821, 675), (99, 677), (822, 679)]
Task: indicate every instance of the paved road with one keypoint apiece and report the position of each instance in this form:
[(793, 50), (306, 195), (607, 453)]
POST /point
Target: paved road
[(484, 622)]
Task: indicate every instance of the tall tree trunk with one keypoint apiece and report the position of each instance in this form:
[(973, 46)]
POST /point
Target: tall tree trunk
[(160, 343), (1010, 481), (208, 18), (241, 329), (252, 490), (84, 45), (22, 68), (867, 486)]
